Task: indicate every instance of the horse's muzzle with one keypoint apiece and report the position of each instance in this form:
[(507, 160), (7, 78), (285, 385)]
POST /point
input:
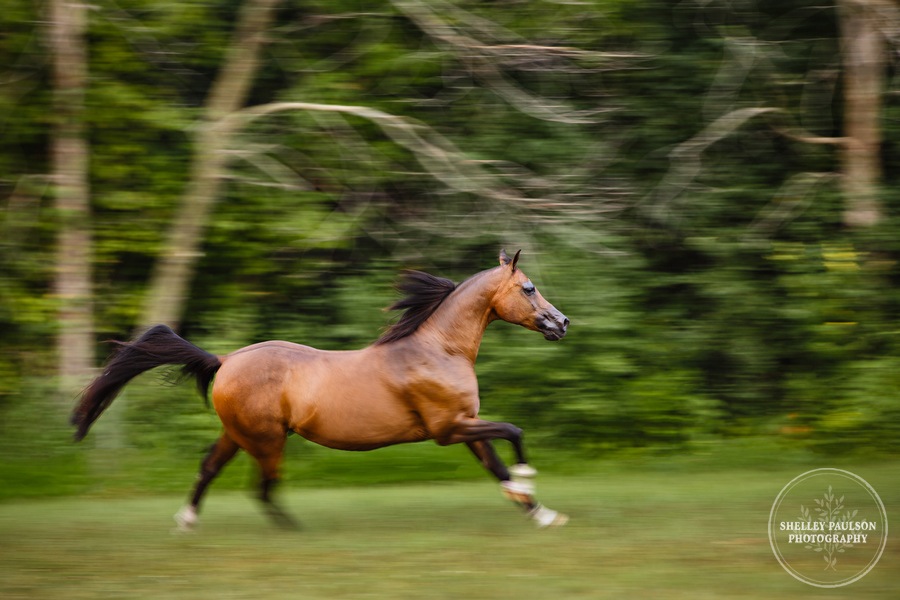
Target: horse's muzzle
[(553, 325)]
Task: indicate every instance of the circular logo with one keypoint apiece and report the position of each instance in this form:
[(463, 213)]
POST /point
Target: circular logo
[(828, 527)]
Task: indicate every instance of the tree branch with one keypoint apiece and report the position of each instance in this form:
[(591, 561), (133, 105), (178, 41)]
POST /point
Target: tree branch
[(483, 60), (538, 199)]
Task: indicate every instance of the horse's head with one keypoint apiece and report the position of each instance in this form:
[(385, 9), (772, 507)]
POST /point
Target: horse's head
[(518, 301)]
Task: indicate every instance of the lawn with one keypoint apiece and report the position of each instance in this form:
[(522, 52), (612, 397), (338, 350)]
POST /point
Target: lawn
[(646, 532)]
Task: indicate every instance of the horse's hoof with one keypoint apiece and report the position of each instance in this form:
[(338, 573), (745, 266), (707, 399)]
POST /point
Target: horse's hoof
[(522, 470), (186, 520), (280, 518), (545, 517), (558, 521)]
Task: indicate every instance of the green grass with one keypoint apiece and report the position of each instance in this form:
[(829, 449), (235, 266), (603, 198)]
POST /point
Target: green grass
[(641, 531)]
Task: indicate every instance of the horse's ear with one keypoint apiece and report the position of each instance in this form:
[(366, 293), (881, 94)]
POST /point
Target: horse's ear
[(506, 260)]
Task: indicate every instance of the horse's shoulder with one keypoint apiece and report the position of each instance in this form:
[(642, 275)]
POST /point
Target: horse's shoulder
[(420, 370)]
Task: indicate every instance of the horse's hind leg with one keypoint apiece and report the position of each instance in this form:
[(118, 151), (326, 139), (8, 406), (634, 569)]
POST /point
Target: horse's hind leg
[(269, 456), (218, 456), (275, 512)]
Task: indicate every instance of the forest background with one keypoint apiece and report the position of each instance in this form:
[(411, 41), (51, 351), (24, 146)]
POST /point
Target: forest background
[(707, 189)]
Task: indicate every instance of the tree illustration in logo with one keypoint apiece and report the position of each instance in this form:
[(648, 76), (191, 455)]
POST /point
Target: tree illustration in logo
[(828, 509)]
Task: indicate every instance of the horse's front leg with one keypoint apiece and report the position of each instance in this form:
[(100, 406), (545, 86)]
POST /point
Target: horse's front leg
[(517, 482)]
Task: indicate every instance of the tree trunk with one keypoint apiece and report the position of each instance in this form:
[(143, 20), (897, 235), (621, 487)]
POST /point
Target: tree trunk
[(864, 72), (69, 159), (174, 270)]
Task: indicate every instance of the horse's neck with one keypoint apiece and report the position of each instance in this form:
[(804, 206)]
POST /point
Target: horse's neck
[(459, 323)]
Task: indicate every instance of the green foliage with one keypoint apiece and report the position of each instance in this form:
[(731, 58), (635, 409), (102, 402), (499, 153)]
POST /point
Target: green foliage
[(713, 291)]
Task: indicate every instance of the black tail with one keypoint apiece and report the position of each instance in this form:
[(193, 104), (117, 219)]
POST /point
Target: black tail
[(158, 346)]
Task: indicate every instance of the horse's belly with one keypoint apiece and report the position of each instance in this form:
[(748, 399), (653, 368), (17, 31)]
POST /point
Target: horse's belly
[(357, 422), (360, 431)]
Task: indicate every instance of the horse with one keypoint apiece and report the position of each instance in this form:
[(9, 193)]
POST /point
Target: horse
[(416, 382)]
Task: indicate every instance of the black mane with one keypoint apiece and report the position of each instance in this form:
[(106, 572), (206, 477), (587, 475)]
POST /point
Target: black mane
[(424, 294)]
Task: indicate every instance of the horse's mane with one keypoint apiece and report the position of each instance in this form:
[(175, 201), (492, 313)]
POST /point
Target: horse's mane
[(423, 295)]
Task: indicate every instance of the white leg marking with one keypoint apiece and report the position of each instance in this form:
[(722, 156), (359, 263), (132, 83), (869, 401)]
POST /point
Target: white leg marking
[(522, 479), (517, 491), (522, 470), (186, 519)]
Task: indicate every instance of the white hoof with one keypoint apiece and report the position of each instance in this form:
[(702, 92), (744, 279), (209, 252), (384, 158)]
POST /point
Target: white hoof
[(545, 517), (522, 470), (186, 519)]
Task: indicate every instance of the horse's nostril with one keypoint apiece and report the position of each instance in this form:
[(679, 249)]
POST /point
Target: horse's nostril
[(565, 323)]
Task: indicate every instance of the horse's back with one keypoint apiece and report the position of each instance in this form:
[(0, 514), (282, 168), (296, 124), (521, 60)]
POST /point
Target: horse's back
[(274, 347)]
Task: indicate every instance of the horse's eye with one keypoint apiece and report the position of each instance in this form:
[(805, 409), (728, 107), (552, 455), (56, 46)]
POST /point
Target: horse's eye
[(528, 288)]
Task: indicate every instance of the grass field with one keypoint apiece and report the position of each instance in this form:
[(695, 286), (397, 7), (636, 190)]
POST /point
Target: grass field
[(645, 532)]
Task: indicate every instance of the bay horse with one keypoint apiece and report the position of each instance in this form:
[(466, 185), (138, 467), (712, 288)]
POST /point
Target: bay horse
[(416, 382)]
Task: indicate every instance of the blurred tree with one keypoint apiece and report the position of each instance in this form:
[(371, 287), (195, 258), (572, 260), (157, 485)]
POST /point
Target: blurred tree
[(772, 50), (864, 51), (748, 220), (505, 185), (175, 267), (69, 164)]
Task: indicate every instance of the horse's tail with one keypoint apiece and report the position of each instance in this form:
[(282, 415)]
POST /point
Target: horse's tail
[(158, 346)]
